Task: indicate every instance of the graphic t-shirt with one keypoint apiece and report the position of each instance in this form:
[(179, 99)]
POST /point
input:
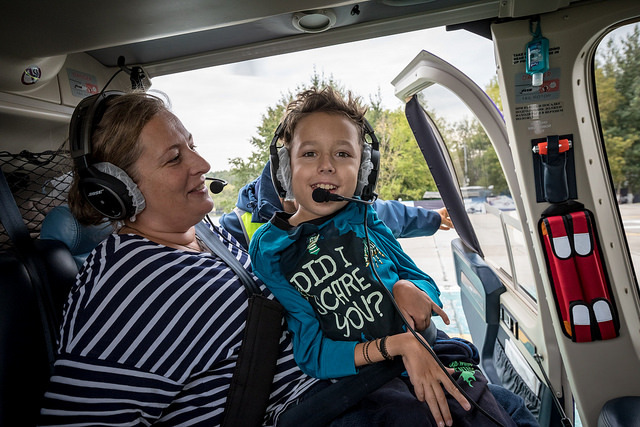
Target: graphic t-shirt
[(321, 273), (330, 269)]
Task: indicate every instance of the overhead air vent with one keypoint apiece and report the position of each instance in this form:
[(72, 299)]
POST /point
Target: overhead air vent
[(404, 2), (314, 21)]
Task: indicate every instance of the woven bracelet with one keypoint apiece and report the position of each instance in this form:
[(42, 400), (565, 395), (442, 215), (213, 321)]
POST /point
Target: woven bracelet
[(365, 352), (383, 349)]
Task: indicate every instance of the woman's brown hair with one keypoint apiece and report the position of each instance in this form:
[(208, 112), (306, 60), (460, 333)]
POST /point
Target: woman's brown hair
[(116, 139)]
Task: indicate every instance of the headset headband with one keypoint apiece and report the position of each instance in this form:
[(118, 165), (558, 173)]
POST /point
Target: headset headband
[(86, 117), (105, 186)]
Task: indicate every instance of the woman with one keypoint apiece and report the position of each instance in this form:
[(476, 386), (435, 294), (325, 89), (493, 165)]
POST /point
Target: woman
[(153, 326)]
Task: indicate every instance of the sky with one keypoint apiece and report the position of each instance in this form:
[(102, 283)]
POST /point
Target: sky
[(223, 106)]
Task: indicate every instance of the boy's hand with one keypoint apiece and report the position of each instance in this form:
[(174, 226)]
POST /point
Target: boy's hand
[(427, 377), (445, 221), (415, 305)]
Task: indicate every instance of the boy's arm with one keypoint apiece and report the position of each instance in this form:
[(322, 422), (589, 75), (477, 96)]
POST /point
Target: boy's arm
[(316, 355), (405, 266), (407, 221)]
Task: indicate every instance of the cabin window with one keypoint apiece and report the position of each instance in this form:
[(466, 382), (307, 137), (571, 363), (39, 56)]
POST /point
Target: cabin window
[(617, 77), (484, 189)]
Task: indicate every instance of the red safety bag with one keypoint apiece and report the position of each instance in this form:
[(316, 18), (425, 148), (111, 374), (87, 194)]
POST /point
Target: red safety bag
[(581, 288)]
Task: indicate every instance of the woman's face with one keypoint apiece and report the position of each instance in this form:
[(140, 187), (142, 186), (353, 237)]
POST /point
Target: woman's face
[(171, 177)]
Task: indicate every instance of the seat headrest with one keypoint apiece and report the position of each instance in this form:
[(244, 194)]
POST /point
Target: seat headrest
[(60, 224)]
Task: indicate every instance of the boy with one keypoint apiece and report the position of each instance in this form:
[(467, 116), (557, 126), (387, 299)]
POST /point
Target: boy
[(316, 262)]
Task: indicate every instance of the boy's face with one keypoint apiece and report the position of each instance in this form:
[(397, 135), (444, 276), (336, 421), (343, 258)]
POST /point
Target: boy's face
[(325, 153)]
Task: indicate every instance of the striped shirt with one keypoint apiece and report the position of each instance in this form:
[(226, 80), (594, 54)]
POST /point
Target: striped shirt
[(151, 335)]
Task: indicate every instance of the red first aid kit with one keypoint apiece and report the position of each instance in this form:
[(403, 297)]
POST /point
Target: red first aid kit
[(580, 283)]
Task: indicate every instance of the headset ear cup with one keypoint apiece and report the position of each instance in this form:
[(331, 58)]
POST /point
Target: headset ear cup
[(368, 191), (283, 173), (365, 170), (111, 191), (275, 165), (106, 194), (105, 186), (274, 158)]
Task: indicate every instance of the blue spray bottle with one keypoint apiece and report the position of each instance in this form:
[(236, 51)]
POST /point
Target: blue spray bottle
[(537, 55)]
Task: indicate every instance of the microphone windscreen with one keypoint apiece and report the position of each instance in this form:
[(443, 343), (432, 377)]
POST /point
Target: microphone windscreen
[(217, 185), (320, 195)]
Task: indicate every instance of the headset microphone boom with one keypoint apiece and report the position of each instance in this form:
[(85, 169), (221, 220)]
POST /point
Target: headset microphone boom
[(320, 195)]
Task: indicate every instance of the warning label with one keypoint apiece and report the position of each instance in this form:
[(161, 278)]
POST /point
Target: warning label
[(82, 84), (550, 88), (536, 111)]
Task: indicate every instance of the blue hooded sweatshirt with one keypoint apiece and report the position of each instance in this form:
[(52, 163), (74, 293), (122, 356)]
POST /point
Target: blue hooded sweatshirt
[(321, 273), (259, 198)]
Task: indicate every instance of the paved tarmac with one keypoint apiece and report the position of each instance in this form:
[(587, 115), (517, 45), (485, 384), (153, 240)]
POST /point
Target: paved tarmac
[(433, 255)]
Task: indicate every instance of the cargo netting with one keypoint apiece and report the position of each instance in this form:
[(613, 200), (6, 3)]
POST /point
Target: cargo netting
[(39, 182)]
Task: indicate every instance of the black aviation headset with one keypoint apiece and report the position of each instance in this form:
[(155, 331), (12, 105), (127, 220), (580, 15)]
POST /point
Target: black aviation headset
[(368, 191), (107, 188)]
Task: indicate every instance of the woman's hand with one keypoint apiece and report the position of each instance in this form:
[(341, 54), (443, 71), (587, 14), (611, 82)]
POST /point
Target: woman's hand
[(426, 376), (415, 305), (445, 221)]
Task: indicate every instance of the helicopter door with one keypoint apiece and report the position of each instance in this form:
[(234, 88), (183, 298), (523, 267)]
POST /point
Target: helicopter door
[(472, 166)]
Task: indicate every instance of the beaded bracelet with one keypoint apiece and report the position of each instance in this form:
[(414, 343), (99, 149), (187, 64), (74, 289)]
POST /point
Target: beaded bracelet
[(365, 352), (383, 349)]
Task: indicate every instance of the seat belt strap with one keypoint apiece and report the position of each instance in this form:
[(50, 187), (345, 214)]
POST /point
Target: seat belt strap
[(218, 248), (256, 366)]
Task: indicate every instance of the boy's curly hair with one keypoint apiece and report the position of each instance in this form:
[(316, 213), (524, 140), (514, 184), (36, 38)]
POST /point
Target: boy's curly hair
[(325, 100)]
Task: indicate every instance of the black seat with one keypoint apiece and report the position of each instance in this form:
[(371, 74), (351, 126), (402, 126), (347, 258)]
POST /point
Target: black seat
[(24, 361), (620, 412)]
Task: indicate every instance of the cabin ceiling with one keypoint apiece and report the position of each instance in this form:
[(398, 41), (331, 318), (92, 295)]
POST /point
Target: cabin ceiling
[(168, 36)]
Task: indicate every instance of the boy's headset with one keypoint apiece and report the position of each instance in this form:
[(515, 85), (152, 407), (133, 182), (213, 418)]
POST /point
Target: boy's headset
[(368, 191), (104, 185)]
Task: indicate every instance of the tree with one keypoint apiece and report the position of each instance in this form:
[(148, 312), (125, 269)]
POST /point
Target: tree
[(226, 200), (403, 172), (400, 176), (246, 170), (617, 146), (618, 90), (493, 90)]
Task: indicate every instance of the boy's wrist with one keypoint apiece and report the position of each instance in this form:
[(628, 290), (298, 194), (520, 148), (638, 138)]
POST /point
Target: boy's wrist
[(400, 284), (399, 344)]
